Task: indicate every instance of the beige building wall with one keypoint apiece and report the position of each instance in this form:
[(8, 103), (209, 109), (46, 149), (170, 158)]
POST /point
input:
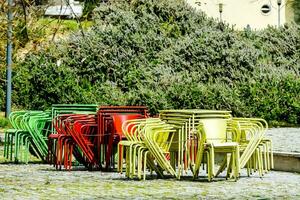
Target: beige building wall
[(242, 12)]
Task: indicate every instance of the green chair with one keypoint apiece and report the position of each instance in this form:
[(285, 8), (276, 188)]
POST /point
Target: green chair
[(26, 135), (58, 109), (39, 127), (15, 119)]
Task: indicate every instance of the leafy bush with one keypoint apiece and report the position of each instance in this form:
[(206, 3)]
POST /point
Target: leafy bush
[(4, 122), (296, 7), (164, 54)]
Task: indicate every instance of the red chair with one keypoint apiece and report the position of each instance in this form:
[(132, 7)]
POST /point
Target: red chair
[(81, 128), (91, 139), (53, 139), (63, 144), (110, 132), (84, 134)]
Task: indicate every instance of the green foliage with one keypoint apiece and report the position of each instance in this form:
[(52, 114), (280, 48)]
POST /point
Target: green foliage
[(89, 6), (164, 54), (4, 122), (31, 34), (296, 7)]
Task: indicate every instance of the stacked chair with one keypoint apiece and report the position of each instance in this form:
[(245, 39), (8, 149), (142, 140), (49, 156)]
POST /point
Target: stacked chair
[(184, 140), (256, 150), (75, 134), (110, 120), (29, 134), (141, 134), (73, 125), (89, 133), (199, 132), (175, 144)]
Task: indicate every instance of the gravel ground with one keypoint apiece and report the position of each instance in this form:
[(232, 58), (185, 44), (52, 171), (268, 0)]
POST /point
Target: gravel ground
[(43, 182), (36, 181)]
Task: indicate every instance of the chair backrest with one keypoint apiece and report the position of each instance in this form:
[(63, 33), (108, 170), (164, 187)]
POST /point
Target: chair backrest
[(252, 131), (15, 117), (119, 119), (60, 109), (158, 139), (215, 130)]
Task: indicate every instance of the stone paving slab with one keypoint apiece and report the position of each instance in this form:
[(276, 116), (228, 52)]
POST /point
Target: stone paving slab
[(43, 182), (285, 139)]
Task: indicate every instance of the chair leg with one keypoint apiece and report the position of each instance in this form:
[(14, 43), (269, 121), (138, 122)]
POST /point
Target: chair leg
[(16, 148), (265, 159), (208, 166), (120, 157), (27, 152), (11, 147), (134, 159), (229, 166), (248, 168), (212, 160), (145, 164), (261, 159), (127, 163), (237, 162), (131, 169), (71, 155), (268, 156), (271, 154), (21, 148), (258, 162), (141, 156), (140, 162), (5, 144)]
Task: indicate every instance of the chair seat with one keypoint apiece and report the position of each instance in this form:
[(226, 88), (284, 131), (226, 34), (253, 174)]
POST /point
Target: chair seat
[(225, 144), (128, 143), (11, 130), (53, 136)]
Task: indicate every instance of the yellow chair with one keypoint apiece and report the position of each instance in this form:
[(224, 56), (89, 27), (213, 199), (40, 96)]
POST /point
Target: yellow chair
[(256, 150), (188, 148), (135, 148), (158, 139), (214, 134)]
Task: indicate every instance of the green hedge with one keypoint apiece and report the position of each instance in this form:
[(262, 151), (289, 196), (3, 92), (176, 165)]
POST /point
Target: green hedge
[(164, 54)]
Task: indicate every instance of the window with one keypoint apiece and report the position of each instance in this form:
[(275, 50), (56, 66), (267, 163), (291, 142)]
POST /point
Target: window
[(266, 9)]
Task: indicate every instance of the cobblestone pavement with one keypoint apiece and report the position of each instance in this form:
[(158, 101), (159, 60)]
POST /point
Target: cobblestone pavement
[(43, 182)]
